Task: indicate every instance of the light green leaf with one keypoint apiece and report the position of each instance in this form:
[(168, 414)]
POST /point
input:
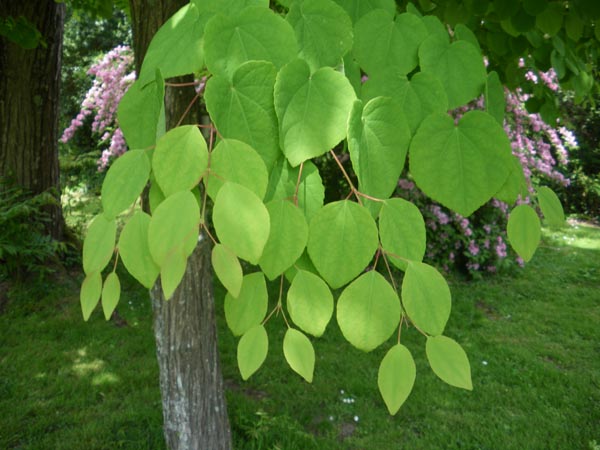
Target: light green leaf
[(99, 244), (250, 308), (299, 353), (459, 66), (396, 377), (515, 184), (312, 110), (180, 159), (524, 231), (449, 361), (254, 34), (174, 224), (124, 182), (426, 297), (236, 161), (134, 249), (402, 232), (378, 138), (323, 31), (171, 273), (460, 166), (91, 289), (227, 7), (382, 41), (303, 263), (436, 28), (358, 8), (310, 303), (241, 221), (551, 207), (228, 269), (342, 239), (287, 238), (368, 311), (155, 195), (242, 108), (495, 103), (111, 292), (252, 350)]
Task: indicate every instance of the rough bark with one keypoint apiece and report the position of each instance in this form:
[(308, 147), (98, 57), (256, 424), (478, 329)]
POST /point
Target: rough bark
[(29, 99), (194, 408)]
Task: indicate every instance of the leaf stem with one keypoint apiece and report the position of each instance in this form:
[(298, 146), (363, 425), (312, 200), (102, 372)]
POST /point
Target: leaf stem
[(298, 183), (187, 110), (354, 190)]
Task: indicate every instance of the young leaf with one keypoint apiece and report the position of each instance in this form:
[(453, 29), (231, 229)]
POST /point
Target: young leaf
[(382, 41), (180, 159), (449, 361), (551, 207), (124, 182), (287, 238), (378, 138), (461, 166), (524, 231), (134, 250), (236, 161), (312, 110), (368, 311), (342, 239), (155, 195), (242, 108), (402, 232), (303, 263), (99, 244), (228, 269), (299, 353), (358, 8), (426, 298), (227, 7), (111, 292), (241, 221), (252, 350), (495, 103), (396, 377), (172, 271), (250, 308), (515, 184), (310, 303), (91, 289)]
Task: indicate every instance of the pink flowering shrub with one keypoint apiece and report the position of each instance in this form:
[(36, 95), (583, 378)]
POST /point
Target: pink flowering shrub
[(113, 74)]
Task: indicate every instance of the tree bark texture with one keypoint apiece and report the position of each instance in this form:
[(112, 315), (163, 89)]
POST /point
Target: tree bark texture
[(191, 383), (29, 99)]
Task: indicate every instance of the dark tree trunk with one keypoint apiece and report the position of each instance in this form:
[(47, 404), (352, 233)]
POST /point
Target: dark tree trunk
[(29, 94), (194, 408)]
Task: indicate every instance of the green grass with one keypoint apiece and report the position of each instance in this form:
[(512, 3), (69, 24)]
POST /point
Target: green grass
[(533, 339)]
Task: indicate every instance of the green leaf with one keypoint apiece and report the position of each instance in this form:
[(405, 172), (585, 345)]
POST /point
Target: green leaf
[(464, 33), (495, 103), (250, 308), (176, 48), (459, 66), (426, 298), (287, 238), (460, 166), (111, 292), (227, 7), (419, 97), (236, 161), (172, 271), (180, 159), (342, 239), (402, 232), (382, 41), (550, 20), (134, 249), (242, 108), (124, 182), (436, 28), (303, 263), (323, 31), (358, 8), (174, 224), (551, 207), (99, 244), (241, 221), (368, 311), (378, 138), (155, 195), (310, 303), (396, 377), (91, 289), (252, 351), (515, 184), (299, 353), (449, 361), (228, 269), (524, 231), (312, 110), (254, 34)]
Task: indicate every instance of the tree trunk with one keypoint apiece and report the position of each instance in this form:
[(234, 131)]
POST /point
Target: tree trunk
[(29, 94), (194, 409)]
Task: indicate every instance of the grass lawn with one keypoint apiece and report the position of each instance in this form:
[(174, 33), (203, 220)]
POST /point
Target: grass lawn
[(533, 339)]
